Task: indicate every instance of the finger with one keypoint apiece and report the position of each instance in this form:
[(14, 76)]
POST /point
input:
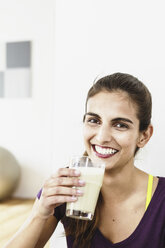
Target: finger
[(66, 172), (66, 181), (59, 199), (63, 191)]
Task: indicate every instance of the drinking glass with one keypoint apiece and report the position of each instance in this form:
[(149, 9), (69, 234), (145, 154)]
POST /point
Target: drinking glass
[(92, 173)]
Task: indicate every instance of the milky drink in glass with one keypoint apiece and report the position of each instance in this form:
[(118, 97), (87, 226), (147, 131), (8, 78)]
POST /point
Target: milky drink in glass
[(92, 173)]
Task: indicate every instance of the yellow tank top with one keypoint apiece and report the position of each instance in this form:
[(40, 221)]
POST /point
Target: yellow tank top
[(149, 190)]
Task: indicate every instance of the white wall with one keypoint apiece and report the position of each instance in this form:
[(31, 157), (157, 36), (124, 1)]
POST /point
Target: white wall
[(26, 124), (73, 43), (94, 38), (99, 37)]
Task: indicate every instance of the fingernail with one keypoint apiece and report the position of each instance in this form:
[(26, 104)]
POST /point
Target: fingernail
[(79, 192), (74, 198), (81, 182), (76, 172)]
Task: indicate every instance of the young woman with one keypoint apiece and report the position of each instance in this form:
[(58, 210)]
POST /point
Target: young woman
[(131, 208)]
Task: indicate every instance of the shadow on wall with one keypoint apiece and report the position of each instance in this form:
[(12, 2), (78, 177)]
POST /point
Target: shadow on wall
[(10, 173)]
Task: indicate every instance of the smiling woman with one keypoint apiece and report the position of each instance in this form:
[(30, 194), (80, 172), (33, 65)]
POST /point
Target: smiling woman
[(111, 122), (130, 208)]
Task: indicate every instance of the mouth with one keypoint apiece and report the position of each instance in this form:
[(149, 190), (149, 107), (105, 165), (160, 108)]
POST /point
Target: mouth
[(104, 152)]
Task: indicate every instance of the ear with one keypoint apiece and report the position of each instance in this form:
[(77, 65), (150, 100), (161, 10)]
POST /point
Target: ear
[(145, 136)]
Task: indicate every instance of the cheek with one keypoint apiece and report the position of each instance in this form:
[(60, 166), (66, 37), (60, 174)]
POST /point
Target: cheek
[(86, 136), (121, 137), (87, 132), (126, 140)]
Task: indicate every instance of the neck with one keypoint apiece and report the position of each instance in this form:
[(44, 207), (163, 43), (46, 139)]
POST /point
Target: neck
[(119, 186)]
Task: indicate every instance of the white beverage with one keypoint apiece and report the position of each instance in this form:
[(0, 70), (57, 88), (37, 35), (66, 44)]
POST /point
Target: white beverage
[(84, 207)]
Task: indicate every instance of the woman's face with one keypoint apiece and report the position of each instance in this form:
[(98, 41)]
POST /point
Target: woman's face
[(111, 129)]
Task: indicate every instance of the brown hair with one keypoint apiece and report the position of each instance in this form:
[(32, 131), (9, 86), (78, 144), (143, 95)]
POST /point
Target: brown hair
[(83, 231)]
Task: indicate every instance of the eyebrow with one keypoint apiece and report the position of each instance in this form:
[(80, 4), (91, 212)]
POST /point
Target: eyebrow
[(113, 120)]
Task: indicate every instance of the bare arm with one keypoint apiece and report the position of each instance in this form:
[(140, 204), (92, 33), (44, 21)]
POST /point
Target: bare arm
[(41, 223), (47, 232), (34, 233)]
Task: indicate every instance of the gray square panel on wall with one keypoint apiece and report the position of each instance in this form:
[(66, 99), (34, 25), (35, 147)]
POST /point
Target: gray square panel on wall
[(18, 54), (1, 84)]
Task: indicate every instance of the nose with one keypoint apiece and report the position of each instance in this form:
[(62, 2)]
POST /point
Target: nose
[(104, 134)]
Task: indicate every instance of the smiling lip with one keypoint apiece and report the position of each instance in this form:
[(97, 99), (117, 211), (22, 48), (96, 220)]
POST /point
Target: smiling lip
[(100, 155)]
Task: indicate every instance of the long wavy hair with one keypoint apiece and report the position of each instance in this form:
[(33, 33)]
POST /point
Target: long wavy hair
[(83, 231)]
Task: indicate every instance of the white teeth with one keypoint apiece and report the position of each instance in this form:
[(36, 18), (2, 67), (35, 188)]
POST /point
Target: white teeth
[(105, 151)]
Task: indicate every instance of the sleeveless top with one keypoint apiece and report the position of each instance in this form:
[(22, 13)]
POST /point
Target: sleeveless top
[(150, 232)]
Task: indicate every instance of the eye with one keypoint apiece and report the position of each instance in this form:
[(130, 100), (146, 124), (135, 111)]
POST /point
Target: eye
[(121, 126), (93, 121)]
